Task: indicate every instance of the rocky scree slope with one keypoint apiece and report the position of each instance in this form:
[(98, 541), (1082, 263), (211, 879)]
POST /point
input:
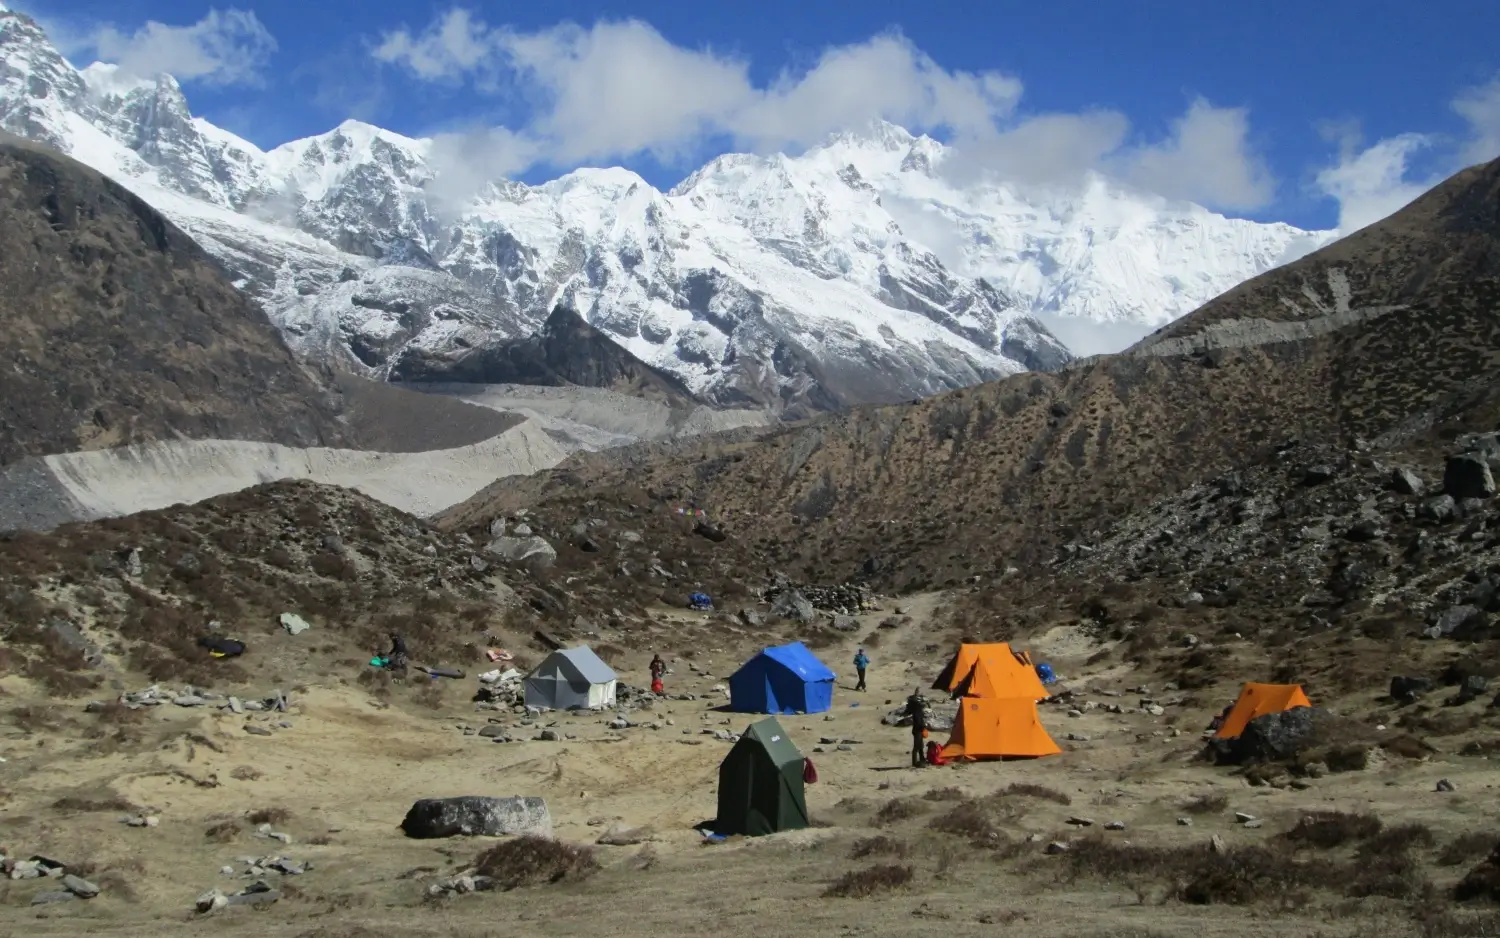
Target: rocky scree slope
[(565, 351), (794, 283), (141, 590), (116, 328), (985, 478)]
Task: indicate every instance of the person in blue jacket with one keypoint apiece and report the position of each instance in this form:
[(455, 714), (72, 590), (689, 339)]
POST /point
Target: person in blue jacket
[(861, 661)]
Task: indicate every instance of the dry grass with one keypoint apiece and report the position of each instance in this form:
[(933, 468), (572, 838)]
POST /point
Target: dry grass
[(1467, 848), (86, 804), (944, 794), (531, 860), (1210, 803), (246, 773), (223, 832), (858, 884)]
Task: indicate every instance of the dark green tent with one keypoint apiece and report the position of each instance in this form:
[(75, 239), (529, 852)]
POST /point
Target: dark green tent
[(760, 783)]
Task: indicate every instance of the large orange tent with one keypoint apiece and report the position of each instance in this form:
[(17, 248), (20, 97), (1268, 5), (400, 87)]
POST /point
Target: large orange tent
[(993, 728), (1258, 700), (991, 670)]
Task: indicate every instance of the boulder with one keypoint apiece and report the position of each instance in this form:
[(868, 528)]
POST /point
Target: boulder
[(293, 623), (1407, 689), (1407, 482), (1274, 736), (1440, 509), (1456, 622), (477, 815), (1468, 476), (790, 604), (752, 618), (532, 552)]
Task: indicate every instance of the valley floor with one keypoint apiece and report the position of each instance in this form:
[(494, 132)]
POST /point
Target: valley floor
[(341, 774)]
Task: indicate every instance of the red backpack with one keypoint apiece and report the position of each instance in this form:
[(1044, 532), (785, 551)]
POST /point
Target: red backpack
[(809, 774)]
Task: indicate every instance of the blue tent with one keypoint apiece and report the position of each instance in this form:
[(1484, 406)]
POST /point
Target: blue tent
[(783, 679)]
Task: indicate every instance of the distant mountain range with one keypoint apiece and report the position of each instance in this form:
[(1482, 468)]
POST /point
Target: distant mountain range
[(794, 283)]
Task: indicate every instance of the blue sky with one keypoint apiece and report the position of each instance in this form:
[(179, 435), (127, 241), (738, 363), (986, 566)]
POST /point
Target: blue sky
[(1312, 113)]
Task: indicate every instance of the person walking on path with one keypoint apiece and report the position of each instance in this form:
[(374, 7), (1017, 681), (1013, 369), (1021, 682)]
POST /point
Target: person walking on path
[(861, 661), (916, 708)]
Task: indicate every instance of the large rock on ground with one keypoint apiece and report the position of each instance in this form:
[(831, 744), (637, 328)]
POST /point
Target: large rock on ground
[(1276, 736), (477, 815), (790, 604), (532, 552), (1468, 476)]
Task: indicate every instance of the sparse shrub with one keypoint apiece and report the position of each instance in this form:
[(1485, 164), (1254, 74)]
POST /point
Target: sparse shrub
[(85, 804), (1029, 790), (879, 845), (858, 884), (897, 809), (268, 816), (966, 819), (530, 860), (246, 773), (1402, 838), (1325, 830), (222, 832), (944, 794), (1466, 848)]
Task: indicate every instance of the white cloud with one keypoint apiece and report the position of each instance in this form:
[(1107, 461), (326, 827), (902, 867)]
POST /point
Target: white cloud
[(620, 88), (1370, 183), (224, 48), (1207, 159), (464, 161), (1480, 108)]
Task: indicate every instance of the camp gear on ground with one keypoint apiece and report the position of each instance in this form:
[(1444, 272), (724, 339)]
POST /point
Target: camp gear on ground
[(782, 679), (657, 687), (992, 728), (379, 661), (571, 679), (1258, 700), (760, 783), (699, 601), (991, 670), (222, 647), (935, 754), (441, 672), (1044, 671), (498, 654), (809, 773)]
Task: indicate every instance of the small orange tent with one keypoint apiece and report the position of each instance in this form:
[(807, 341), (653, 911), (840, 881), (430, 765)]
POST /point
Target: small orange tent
[(1258, 700), (992, 728), (991, 670)]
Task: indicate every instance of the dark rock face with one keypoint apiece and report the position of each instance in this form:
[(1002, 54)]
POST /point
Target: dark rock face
[(1468, 476), (1407, 689), (116, 328), (476, 815), (565, 351)]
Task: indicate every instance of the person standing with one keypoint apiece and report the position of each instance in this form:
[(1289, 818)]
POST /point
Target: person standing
[(658, 668), (861, 661), (916, 708)]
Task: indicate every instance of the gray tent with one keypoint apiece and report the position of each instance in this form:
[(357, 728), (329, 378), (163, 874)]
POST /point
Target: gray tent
[(571, 679)]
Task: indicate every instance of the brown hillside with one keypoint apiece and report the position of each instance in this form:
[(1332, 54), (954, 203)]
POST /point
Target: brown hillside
[(1394, 329), (116, 328)]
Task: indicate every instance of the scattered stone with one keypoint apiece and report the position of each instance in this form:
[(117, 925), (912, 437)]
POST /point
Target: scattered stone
[(1253, 824), (1445, 786), (1217, 845), (1056, 847), (47, 898), (79, 886), (293, 623), (1081, 821), (1115, 826), (623, 837), (254, 730), (1184, 822), (473, 815), (1243, 818), (1406, 482), (1440, 509), (1407, 689)]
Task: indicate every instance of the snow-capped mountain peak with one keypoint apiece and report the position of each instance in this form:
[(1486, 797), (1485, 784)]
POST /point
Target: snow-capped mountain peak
[(852, 272)]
